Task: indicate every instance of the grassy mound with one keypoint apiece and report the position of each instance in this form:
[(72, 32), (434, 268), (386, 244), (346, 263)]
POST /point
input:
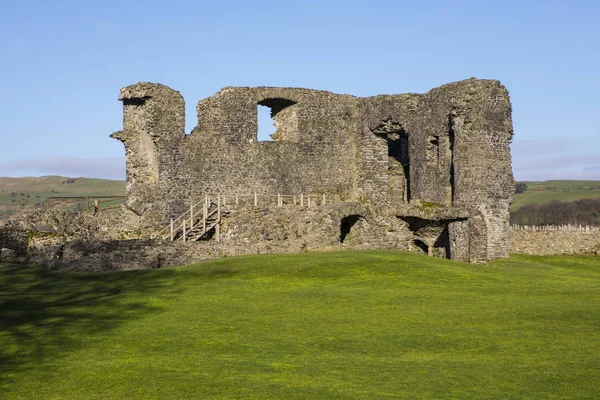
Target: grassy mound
[(345, 325)]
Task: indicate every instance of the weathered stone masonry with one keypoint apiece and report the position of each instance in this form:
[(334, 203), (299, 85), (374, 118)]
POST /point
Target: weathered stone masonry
[(435, 168)]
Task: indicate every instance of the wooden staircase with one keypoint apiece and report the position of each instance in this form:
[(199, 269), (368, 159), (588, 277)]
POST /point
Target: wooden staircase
[(201, 222), (201, 228)]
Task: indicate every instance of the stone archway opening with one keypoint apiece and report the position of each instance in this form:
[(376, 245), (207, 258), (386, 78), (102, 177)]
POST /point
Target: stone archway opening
[(430, 236), (421, 245), (346, 225)]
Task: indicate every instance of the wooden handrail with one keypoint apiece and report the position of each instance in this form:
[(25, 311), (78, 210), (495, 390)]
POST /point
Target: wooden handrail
[(185, 214), (195, 210)]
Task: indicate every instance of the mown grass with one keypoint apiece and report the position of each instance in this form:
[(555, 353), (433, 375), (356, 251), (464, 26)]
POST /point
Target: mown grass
[(358, 325)]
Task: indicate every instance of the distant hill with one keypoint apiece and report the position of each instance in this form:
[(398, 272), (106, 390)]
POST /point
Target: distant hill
[(31, 192), (562, 190)]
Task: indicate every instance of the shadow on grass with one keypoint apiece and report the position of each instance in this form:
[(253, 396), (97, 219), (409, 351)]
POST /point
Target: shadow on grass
[(44, 314)]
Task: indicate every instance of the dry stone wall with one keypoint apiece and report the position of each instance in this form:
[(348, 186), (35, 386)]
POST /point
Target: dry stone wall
[(552, 240)]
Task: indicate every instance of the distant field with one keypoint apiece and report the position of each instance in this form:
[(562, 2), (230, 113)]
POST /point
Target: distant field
[(339, 325), (544, 197), (564, 184), (544, 192), (29, 192)]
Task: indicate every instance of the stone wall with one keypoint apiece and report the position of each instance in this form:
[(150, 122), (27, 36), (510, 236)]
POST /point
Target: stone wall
[(550, 240), (14, 240), (266, 229), (448, 147), (72, 241)]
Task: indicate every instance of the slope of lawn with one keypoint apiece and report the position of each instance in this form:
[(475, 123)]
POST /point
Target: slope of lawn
[(339, 325)]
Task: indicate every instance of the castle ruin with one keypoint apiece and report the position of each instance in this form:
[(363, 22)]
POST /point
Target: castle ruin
[(425, 172)]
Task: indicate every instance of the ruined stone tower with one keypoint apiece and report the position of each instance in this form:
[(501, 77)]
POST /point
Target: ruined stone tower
[(436, 166)]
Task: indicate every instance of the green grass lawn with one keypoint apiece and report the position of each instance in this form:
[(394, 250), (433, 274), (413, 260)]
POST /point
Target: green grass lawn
[(339, 325)]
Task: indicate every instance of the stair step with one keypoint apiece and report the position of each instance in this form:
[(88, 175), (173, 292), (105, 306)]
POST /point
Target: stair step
[(195, 229)]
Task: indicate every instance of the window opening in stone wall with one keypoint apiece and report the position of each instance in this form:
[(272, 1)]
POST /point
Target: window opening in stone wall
[(270, 126), (398, 149), (266, 124), (346, 225), (398, 152), (433, 149), (451, 141), (138, 101)]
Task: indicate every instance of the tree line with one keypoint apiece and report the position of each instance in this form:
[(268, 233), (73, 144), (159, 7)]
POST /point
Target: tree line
[(579, 212)]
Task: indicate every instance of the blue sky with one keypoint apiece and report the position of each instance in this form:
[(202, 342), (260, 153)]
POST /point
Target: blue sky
[(62, 64)]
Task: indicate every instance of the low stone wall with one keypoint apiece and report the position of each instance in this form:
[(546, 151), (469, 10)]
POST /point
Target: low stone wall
[(113, 255), (73, 242), (556, 228), (52, 239), (123, 255), (13, 242), (551, 240)]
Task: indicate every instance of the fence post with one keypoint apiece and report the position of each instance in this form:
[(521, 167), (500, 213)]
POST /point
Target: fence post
[(184, 230), (191, 214), (294, 199), (308, 200), (218, 227), (323, 203), (172, 233), (204, 212), (278, 199), (255, 199), (301, 200), (96, 207)]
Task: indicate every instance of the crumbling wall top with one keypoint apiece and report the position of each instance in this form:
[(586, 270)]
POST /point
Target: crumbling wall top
[(142, 90)]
